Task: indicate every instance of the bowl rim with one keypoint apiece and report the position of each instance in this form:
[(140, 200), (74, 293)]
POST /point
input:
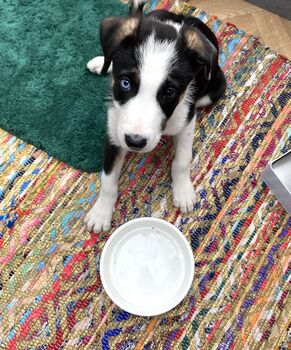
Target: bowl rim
[(189, 279)]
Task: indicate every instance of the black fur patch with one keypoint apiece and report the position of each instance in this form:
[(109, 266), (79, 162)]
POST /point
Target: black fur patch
[(136, 10), (163, 32), (192, 22), (125, 65), (192, 66), (163, 16), (178, 80), (191, 112), (216, 86), (196, 68), (110, 154)]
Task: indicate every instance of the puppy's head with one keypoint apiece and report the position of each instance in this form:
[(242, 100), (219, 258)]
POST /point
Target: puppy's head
[(156, 69)]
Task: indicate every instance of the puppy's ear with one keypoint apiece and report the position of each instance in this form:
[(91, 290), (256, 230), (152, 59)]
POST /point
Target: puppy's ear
[(113, 31), (207, 53)]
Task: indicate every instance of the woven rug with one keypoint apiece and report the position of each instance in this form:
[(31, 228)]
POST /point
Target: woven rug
[(51, 296)]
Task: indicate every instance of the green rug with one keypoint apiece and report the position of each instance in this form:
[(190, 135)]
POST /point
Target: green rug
[(47, 97)]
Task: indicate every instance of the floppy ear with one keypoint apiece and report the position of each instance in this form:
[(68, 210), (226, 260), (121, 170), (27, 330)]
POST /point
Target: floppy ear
[(206, 51), (113, 31)]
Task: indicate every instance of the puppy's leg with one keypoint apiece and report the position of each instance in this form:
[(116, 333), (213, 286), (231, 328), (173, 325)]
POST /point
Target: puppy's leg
[(99, 217), (183, 191), (96, 65)]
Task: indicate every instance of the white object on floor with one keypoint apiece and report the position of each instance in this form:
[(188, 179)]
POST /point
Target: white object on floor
[(277, 175), (147, 266), (282, 169)]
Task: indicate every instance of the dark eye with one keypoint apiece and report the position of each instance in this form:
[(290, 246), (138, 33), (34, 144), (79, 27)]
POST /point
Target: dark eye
[(170, 92), (125, 84)]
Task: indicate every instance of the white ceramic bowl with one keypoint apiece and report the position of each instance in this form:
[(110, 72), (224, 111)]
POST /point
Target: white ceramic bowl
[(147, 266)]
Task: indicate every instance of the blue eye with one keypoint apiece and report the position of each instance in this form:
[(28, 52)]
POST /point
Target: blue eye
[(125, 84)]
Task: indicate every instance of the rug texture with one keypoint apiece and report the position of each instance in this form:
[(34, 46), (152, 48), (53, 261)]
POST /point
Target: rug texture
[(47, 96), (51, 296)]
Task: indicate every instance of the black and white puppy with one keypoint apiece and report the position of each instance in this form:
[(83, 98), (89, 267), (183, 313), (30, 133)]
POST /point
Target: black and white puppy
[(163, 66)]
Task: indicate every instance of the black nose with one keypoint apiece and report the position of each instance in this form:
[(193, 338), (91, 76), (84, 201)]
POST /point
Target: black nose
[(135, 142)]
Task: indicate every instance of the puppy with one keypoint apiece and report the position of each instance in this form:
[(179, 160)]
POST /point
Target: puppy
[(163, 66)]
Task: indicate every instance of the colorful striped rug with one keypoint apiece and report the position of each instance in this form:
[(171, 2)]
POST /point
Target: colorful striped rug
[(51, 296)]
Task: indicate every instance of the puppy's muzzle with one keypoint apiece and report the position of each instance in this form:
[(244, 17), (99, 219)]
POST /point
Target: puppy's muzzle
[(135, 142)]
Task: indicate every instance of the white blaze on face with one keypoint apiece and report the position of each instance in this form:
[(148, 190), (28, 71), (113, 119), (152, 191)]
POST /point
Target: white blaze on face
[(142, 113)]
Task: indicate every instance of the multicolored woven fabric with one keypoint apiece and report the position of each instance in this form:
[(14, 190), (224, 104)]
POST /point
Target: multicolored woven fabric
[(51, 296)]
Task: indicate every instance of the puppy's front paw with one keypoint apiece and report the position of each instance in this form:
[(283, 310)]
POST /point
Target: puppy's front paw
[(184, 195), (96, 64), (99, 217)]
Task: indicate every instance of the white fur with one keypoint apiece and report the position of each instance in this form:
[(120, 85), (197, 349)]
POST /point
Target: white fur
[(176, 25), (142, 114), (136, 3), (179, 117), (204, 101), (96, 65), (100, 215), (183, 191)]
